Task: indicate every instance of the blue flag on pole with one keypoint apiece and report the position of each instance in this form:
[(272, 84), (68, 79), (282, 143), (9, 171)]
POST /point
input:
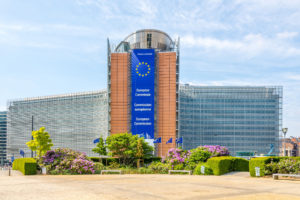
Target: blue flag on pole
[(22, 153), (157, 140), (169, 141), (179, 140), (96, 140)]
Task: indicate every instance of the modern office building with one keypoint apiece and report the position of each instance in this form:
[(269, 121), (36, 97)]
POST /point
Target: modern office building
[(244, 119), (143, 97), (143, 85), (3, 136), (72, 120)]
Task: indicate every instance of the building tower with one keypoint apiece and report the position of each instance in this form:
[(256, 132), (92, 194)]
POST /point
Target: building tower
[(143, 86)]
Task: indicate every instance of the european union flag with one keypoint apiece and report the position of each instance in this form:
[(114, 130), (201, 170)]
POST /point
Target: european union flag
[(169, 141), (179, 140), (157, 140), (22, 153), (96, 140)]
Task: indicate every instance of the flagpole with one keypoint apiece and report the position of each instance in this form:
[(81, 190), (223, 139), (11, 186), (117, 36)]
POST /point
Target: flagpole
[(161, 149)]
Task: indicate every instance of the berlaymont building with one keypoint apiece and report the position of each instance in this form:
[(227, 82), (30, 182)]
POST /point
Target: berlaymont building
[(144, 97)]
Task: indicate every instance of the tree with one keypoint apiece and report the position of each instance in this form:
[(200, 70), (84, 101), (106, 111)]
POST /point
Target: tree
[(100, 148), (140, 151), (41, 142), (125, 147)]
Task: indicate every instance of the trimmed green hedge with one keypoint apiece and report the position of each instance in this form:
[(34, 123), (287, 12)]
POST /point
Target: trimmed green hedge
[(27, 166), (224, 164), (261, 162), (220, 165), (207, 171), (240, 164)]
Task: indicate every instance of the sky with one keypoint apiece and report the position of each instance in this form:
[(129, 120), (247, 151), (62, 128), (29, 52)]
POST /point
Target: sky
[(57, 47)]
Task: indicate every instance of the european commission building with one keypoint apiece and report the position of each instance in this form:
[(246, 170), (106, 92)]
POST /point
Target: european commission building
[(143, 75), (72, 120)]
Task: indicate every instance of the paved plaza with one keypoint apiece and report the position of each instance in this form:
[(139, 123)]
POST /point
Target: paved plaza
[(82, 187)]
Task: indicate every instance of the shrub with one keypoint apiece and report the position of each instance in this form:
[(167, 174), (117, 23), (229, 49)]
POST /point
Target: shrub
[(143, 170), (129, 170), (207, 171), (240, 164), (220, 165), (114, 165), (284, 166), (176, 157), (271, 168), (82, 166), (263, 162), (27, 166), (65, 161), (99, 166), (152, 159), (288, 166), (217, 150), (200, 154), (190, 166), (160, 168), (179, 166), (108, 161)]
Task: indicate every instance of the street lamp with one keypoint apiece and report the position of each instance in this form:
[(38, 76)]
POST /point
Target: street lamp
[(284, 130)]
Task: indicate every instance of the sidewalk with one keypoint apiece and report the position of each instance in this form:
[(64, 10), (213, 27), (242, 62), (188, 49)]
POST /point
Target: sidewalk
[(131, 187)]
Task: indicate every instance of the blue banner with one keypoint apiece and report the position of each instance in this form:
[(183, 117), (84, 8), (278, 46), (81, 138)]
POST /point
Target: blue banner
[(142, 92)]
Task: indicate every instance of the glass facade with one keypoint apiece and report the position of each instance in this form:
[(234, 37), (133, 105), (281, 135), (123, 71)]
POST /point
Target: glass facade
[(72, 121), (244, 119), (3, 136)]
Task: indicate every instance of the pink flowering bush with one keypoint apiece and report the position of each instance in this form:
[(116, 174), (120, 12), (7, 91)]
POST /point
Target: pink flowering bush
[(176, 158), (82, 166), (67, 161), (217, 150)]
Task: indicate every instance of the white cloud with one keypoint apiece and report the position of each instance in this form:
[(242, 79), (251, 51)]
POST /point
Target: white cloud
[(287, 35), (250, 45), (2, 108), (295, 77)]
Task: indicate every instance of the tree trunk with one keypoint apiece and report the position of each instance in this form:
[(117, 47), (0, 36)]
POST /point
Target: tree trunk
[(138, 163)]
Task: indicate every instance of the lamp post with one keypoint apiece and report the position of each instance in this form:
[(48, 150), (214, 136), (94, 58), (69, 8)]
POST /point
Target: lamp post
[(284, 131)]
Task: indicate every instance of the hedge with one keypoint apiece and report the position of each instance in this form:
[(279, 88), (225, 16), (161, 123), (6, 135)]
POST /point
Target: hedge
[(207, 171), (220, 165), (27, 166), (240, 164), (261, 162), (224, 164)]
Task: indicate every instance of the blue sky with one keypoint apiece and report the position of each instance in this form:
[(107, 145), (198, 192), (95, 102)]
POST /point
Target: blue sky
[(56, 47)]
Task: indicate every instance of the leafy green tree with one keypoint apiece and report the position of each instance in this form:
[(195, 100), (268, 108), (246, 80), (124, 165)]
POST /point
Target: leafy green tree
[(125, 147), (41, 142), (100, 148)]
